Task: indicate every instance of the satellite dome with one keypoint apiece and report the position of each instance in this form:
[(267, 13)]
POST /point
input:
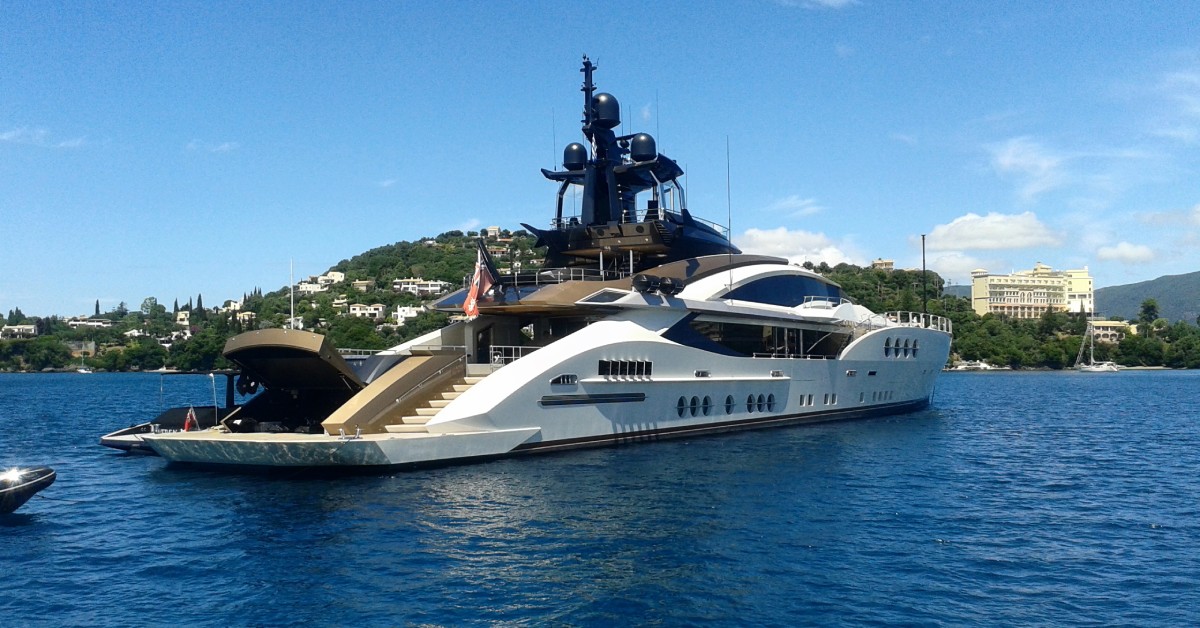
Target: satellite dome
[(643, 148), (607, 111), (574, 156)]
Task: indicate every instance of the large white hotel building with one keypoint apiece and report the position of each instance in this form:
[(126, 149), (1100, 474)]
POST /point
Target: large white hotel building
[(1031, 293)]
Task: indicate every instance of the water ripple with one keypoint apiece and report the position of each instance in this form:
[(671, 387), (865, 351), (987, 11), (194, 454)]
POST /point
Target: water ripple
[(1019, 499)]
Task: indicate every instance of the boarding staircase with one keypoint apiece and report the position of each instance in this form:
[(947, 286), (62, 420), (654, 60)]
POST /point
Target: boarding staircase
[(416, 423)]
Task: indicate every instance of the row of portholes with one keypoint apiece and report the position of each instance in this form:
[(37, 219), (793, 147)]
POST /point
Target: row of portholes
[(900, 349), (695, 406)]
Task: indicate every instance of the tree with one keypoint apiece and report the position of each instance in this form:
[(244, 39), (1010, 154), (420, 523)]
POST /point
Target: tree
[(1149, 313), (97, 308)]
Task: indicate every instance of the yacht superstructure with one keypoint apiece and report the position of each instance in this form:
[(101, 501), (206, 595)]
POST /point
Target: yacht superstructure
[(650, 323)]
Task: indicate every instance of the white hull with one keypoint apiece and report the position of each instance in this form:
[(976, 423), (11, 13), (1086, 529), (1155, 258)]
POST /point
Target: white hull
[(1099, 367), (517, 409)]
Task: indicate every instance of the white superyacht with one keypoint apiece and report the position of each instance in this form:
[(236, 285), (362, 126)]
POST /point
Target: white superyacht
[(644, 322)]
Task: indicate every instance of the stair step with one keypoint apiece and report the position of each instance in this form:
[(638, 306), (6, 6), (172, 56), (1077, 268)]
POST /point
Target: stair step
[(471, 381), (450, 396), (439, 403), (406, 429), (416, 420), (428, 411), (460, 388)]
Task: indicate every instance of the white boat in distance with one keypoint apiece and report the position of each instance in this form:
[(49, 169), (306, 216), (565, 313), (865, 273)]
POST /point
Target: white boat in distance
[(652, 325), (1091, 365)]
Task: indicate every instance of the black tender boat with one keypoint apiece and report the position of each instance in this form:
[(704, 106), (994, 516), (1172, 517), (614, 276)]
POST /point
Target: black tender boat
[(18, 485)]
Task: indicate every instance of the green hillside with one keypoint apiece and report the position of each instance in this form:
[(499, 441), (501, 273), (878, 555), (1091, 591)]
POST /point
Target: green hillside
[(1178, 298)]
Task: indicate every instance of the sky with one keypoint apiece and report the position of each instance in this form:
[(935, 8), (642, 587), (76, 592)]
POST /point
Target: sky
[(176, 149)]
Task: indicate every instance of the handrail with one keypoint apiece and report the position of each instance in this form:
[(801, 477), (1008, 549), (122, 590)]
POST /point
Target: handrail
[(507, 354), (438, 373), (551, 276), (358, 352), (919, 319)]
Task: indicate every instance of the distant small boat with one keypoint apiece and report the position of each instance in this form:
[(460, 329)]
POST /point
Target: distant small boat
[(1091, 365), (18, 485), (980, 365)]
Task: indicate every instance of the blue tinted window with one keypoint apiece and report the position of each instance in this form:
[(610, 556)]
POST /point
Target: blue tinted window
[(785, 290)]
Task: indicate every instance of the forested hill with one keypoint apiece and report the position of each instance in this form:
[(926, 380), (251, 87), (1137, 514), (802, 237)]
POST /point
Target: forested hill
[(1178, 298)]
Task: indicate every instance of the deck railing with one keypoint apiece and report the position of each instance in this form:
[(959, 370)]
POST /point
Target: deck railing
[(918, 319)]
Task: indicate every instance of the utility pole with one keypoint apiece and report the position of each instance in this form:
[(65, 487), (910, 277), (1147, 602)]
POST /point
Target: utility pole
[(924, 281)]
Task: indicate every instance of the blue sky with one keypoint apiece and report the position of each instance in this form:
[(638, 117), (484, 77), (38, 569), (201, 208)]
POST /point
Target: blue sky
[(175, 149)]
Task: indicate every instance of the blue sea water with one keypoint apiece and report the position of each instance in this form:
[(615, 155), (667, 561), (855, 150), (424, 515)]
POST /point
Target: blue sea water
[(1017, 499)]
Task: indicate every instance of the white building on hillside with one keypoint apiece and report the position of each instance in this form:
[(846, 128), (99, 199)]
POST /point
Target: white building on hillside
[(421, 287), (1032, 293), (373, 311)]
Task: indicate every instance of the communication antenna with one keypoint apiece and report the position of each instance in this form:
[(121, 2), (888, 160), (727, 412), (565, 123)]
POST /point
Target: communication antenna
[(657, 120)]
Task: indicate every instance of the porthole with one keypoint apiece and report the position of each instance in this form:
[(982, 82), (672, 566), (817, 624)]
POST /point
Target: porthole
[(707, 406), (681, 406), (695, 406), (771, 402), (728, 404), (887, 348), (762, 403), (914, 349), (906, 347), (749, 403)]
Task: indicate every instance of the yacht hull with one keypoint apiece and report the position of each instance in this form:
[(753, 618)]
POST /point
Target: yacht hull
[(519, 409), (384, 452)]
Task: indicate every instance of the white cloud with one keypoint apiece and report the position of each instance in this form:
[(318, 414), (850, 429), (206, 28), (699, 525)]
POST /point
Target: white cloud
[(843, 51), (991, 232), (387, 183), (646, 113), (37, 137), (1184, 88), (1180, 120), (1126, 252), (955, 265), (1037, 169), (817, 4), (904, 138), (797, 246), (224, 147), (794, 206), (471, 224), (24, 135)]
